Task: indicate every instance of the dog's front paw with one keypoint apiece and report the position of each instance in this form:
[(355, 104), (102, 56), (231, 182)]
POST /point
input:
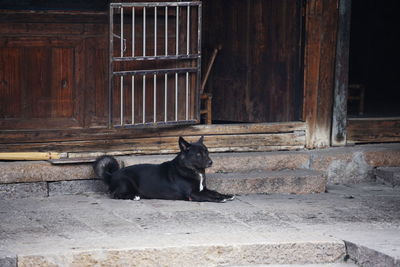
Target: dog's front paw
[(229, 197)]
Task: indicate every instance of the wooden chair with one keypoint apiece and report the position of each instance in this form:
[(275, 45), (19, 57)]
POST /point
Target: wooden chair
[(357, 93), (206, 98)]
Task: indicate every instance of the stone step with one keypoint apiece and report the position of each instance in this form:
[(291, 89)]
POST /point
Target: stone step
[(296, 252), (388, 175), (299, 181), (94, 230), (340, 165), (340, 264)]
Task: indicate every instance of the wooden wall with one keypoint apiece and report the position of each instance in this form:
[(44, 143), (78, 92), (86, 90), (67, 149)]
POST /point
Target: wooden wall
[(54, 70), (257, 74), (66, 111)]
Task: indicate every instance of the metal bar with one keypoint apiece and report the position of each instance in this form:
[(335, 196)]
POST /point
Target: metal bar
[(133, 32), (177, 30), (122, 32), (154, 97), (144, 99), (188, 30), (165, 95), (110, 65), (144, 31), (158, 4), (157, 124), (122, 100), (166, 31), (138, 58), (198, 82), (187, 95), (159, 71), (155, 31), (176, 96), (133, 99)]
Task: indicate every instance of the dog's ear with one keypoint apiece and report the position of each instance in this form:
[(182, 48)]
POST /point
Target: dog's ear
[(183, 144), (201, 140)]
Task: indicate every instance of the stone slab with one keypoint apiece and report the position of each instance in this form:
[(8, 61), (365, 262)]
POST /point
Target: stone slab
[(211, 255), (74, 230), (342, 165), (388, 175), (368, 257), (41, 171), (239, 162), (298, 181), (7, 258), (23, 190), (77, 187)]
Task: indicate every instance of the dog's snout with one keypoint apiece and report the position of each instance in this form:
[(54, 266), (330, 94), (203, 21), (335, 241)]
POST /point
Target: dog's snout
[(210, 163)]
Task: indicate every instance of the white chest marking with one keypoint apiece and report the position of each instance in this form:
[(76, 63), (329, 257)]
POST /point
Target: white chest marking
[(201, 181)]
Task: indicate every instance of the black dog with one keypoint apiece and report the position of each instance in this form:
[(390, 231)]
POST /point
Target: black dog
[(182, 178)]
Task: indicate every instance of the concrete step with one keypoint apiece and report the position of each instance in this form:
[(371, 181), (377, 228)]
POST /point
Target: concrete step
[(97, 231), (93, 230), (341, 264), (299, 181), (346, 165), (388, 175)]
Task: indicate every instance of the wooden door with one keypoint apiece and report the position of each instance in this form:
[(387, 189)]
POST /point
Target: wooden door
[(258, 73), (38, 84)]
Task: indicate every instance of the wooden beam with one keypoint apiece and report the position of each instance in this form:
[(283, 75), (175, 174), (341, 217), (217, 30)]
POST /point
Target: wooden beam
[(373, 130), (219, 138), (104, 133), (320, 47), (156, 145), (338, 137)]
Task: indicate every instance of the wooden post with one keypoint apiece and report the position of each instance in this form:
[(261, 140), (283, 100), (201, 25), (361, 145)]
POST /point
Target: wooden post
[(339, 119), (319, 68)]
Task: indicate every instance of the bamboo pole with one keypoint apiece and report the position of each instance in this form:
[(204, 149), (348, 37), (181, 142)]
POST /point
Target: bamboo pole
[(29, 155)]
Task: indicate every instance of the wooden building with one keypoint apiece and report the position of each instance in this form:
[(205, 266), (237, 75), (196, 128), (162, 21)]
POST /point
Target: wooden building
[(95, 76)]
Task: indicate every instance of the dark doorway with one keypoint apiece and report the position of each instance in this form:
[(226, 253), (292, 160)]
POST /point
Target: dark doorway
[(257, 75), (374, 89)]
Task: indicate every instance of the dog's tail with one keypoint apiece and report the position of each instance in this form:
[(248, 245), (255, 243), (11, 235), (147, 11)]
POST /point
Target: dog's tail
[(104, 167)]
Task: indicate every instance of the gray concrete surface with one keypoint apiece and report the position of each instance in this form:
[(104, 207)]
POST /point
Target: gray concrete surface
[(85, 230)]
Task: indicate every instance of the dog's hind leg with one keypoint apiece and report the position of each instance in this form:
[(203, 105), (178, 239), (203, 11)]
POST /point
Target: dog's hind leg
[(125, 190)]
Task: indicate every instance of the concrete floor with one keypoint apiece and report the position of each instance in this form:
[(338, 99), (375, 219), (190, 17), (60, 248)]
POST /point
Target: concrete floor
[(365, 216)]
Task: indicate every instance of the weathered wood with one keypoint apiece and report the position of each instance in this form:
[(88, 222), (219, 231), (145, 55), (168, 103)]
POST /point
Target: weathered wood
[(103, 133), (52, 68), (339, 119), (373, 130), (256, 77), (320, 47), (155, 145)]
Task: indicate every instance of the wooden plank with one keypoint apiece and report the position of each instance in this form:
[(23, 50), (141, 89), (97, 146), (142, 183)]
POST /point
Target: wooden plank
[(103, 133), (339, 119), (371, 130), (156, 145), (257, 69), (320, 47), (11, 105)]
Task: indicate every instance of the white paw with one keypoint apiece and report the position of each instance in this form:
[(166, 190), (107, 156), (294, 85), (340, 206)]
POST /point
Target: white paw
[(231, 198), (136, 198)]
